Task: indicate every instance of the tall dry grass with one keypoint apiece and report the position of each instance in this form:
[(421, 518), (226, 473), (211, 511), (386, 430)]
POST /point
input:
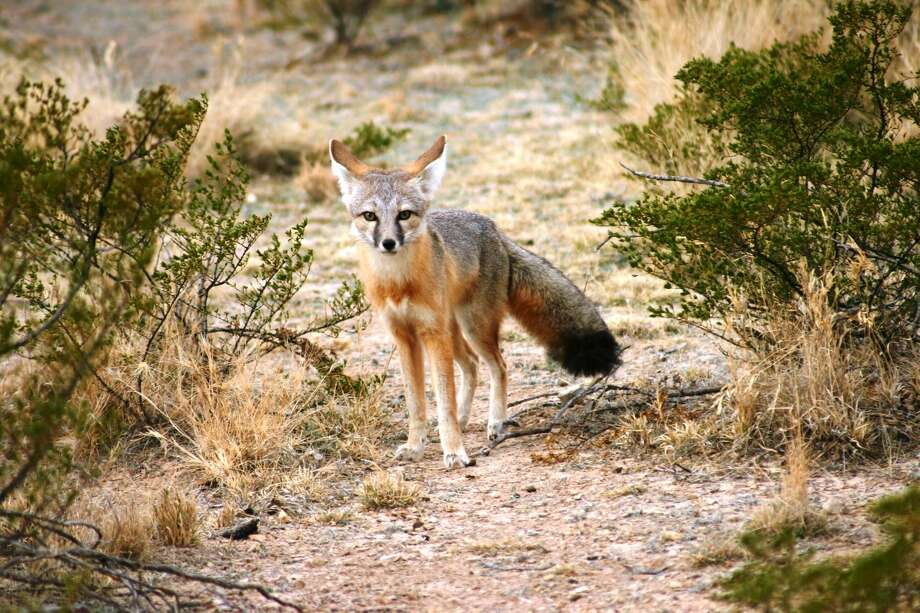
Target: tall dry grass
[(250, 427), (819, 381), (791, 509), (651, 41)]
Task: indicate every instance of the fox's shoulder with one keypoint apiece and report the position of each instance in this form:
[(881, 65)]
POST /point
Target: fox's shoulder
[(459, 225), (470, 238)]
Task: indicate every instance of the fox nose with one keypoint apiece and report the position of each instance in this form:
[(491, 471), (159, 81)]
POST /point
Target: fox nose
[(388, 243)]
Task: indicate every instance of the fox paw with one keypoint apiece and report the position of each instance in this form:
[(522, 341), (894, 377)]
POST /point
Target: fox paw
[(410, 453), (457, 459), (495, 429)]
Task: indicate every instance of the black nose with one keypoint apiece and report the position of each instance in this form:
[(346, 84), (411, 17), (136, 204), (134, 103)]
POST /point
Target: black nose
[(388, 243)]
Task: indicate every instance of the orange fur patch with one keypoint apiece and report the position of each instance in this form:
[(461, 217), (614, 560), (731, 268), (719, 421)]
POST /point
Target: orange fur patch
[(529, 309)]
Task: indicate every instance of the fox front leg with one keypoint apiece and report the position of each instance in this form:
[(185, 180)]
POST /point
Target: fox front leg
[(413, 369), (442, 359)]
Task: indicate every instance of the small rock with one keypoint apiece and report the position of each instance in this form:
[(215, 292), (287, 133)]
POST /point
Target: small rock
[(242, 530), (578, 592), (530, 488)]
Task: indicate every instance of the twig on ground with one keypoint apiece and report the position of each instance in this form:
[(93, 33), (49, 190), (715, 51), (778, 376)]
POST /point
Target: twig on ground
[(599, 386), (131, 590), (493, 566)]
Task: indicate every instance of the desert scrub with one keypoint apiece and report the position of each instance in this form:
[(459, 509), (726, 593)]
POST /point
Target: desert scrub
[(819, 181), (112, 263)]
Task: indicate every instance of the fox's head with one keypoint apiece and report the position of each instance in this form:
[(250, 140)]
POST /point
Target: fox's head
[(388, 207)]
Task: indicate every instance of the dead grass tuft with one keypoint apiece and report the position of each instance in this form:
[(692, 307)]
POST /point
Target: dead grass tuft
[(840, 393), (335, 517), (791, 509), (385, 490), (175, 518), (317, 182), (127, 532), (717, 551)]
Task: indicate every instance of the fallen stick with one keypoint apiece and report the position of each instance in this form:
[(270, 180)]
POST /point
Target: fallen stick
[(556, 419)]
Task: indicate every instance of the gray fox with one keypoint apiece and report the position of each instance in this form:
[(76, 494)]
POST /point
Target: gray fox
[(443, 280)]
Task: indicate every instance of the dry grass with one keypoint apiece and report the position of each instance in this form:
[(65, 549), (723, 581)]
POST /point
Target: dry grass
[(175, 518), (317, 182), (717, 550), (840, 393), (652, 41), (791, 509), (335, 517), (128, 531), (249, 428), (385, 490)]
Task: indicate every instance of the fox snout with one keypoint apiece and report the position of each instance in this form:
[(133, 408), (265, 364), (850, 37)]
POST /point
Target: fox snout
[(388, 245)]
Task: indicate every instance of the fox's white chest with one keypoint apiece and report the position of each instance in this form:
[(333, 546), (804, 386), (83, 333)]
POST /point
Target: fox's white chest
[(406, 313)]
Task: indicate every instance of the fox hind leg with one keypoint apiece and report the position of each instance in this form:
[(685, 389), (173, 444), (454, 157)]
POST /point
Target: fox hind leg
[(466, 360), (484, 339)]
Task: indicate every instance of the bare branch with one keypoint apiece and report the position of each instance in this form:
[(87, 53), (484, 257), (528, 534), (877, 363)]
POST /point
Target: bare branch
[(675, 178)]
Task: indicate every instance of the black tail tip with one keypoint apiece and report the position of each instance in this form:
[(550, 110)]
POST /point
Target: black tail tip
[(593, 353)]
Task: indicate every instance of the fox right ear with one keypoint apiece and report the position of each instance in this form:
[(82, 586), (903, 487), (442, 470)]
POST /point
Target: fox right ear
[(347, 169)]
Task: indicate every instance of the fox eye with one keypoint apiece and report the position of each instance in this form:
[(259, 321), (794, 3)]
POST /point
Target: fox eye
[(369, 216), (404, 215)]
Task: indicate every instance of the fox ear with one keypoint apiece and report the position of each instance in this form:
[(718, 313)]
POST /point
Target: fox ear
[(347, 169), (428, 170)]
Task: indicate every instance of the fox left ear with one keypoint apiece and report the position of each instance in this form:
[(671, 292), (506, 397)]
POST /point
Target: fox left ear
[(347, 169), (428, 170)]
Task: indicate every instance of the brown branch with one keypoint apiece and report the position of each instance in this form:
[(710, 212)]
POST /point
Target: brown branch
[(595, 387)]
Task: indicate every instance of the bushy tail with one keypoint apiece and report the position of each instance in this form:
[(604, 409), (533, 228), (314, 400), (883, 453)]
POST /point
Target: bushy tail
[(559, 315)]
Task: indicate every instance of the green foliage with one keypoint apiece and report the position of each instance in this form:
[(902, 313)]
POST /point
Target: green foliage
[(673, 141), (79, 221), (369, 139), (883, 578), (106, 240), (819, 151), (612, 98)]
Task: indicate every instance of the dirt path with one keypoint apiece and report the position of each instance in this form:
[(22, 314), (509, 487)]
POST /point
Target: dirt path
[(600, 532)]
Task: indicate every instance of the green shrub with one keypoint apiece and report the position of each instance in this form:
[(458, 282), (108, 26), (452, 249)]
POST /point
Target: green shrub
[(369, 139), (820, 161), (104, 247), (80, 221), (883, 578)]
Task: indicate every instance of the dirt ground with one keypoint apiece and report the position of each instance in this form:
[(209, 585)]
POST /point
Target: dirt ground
[(604, 530)]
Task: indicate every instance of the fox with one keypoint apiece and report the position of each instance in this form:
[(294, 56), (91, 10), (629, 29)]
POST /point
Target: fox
[(443, 281)]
